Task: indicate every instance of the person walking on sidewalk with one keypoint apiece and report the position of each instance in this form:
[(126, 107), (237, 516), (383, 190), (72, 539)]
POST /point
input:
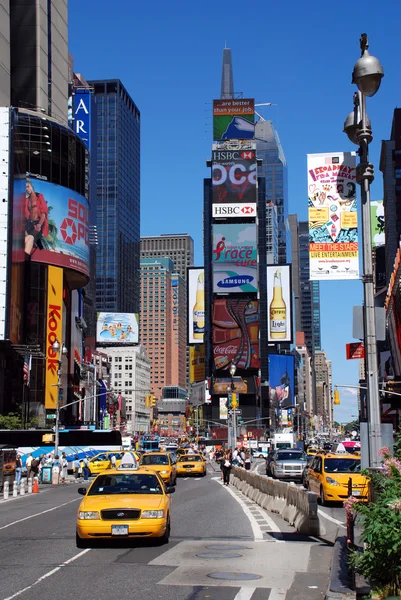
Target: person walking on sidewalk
[(18, 469), (247, 460), (77, 468), (28, 464), (227, 466), (64, 468), (86, 468)]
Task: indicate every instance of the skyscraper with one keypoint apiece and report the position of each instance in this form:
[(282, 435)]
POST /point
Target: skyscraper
[(306, 292), (117, 198), (227, 79), (179, 247)]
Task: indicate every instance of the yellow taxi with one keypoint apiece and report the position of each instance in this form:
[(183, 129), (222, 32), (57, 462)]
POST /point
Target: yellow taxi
[(312, 451), (102, 461), (162, 463), (191, 464), (329, 474), (127, 502)]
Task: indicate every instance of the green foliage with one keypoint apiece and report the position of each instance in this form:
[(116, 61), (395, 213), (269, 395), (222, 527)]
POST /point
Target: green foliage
[(10, 421), (380, 562)]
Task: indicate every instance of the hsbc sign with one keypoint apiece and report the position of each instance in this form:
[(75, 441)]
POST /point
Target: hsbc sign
[(234, 176), (234, 210)]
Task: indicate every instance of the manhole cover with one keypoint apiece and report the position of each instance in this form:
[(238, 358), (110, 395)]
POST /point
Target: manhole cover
[(220, 555), (225, 547), (234, 576)]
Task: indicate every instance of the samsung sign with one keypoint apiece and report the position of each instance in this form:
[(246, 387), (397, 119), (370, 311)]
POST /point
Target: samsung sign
[(82, 114), (224, 211)]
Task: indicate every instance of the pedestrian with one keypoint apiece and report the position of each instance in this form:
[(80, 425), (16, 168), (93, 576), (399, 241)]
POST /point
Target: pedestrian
[(28, 465), (247, 461), (18, 469), (113, 461), (85, 468), (64, 468), (226, 468), (77, 468), (35, 467)]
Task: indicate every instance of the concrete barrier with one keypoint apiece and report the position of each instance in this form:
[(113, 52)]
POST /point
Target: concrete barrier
[(294, 504)]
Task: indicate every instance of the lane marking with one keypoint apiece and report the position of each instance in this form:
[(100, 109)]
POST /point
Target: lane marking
[(245, 593), (48, 574), (332, 519), (38, 514)]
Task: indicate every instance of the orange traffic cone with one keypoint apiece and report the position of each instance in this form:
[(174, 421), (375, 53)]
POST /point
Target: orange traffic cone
[(35, 487)]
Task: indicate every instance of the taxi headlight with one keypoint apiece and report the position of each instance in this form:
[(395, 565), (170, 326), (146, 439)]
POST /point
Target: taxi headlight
[(164, 472), (332, 481), (152, 514), (88, 515)]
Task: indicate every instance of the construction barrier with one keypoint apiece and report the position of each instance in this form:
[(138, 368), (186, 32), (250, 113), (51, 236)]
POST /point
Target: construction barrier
[(294, 504), (6, 490)]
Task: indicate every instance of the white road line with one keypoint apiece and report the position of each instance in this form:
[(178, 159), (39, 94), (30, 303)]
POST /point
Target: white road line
[(48, 574), (38, 514), (245, 593), (332, 519), (277, 594)]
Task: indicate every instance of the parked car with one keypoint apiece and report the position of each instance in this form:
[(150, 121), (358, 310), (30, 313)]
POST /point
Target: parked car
[(288, 464)]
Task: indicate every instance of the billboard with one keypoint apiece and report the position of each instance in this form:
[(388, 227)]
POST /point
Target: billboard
[(4, 216), (234, 260), (56, 225), (54, 331), (232, 211), (196, 363), (233, 119), (377, 223), (234, 175), (235, 333), (223, 410), (279, 304), (281, 380), (117, 328), (333, 217), (196, 305), (82, 101)]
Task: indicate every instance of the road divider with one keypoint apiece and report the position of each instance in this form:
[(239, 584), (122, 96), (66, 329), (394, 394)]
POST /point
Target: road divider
[(293, 504)]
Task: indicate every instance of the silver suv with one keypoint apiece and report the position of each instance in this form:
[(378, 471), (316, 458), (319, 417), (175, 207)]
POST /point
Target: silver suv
[(288, 464)]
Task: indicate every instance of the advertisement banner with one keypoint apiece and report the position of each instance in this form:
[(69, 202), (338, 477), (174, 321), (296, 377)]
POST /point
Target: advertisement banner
[(281, 379), (235, 333), (333, 217), (279, 304), (377, 223), (232, 211), (4, 214), (196, 305), (56, 225), (234, 176), (117, 328), (223, 410), (242, 385), (54, 331), (235, 266), (82, 100), (233, 119), (196, 363)]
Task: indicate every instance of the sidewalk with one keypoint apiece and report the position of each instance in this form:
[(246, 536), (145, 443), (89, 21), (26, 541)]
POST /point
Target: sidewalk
[(43, 487)]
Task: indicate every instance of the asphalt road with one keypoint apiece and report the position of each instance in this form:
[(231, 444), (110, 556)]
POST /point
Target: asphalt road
[(222, 547)]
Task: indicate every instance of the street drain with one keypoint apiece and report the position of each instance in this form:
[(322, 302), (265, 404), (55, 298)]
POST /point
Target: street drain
[(220, 555), (223, 547), (234, 576)]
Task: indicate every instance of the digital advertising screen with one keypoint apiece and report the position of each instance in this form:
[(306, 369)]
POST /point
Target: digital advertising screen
[(234, 259), (233, 119), (282, 381), (196, 305), (117, 328), (234, 176), (279, 303)]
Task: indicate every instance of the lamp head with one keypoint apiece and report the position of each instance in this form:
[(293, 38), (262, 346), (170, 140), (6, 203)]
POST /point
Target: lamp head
[(368, 72), (233, 369), (56, 346), (353, 122), (64, 349)]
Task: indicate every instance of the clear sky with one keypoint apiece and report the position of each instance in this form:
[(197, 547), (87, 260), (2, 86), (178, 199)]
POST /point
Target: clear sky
[(298, 55)]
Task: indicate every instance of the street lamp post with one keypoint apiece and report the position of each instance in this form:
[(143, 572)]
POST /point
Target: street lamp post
[(367, 75), (59, 350)]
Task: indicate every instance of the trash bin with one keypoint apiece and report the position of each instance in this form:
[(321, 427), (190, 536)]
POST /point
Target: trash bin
[(47, 475)]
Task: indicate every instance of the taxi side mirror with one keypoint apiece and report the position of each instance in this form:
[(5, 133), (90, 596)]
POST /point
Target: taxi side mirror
[(82, 491), (170, 489)]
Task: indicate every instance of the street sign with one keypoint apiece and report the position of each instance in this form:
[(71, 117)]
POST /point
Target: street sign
[(237, 411), (50, 416), (355, 350)]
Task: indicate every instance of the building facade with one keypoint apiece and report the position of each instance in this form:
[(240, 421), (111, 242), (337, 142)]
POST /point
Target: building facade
[(177, 247), (324, 403), (117, 197)]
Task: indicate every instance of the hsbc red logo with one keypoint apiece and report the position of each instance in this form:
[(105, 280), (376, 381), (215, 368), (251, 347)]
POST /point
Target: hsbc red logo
[(234, 210), (247, 210), (247, 155)]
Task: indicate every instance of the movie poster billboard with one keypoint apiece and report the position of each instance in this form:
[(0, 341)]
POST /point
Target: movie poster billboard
[(377, 223), (197, 363), (282, 381), (233, 119), (196, 305), (117, 328), (279, 304), (235, 333), (333, 217), (234, 259), (56, 225), (234, 175)]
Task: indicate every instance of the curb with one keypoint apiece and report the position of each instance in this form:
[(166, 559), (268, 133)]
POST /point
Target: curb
[(340, 576)]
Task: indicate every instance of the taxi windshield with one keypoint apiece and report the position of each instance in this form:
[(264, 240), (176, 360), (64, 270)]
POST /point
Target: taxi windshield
[(154, 459), (192, 458), (342, 465), (125, 484)]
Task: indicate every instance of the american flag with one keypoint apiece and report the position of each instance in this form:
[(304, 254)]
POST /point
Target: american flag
[(27, 369)]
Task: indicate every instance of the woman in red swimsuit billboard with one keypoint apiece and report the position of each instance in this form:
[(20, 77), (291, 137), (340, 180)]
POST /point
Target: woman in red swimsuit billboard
[(36, 223)]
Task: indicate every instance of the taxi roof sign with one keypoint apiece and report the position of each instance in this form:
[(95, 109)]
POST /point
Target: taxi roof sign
[(128, 461)]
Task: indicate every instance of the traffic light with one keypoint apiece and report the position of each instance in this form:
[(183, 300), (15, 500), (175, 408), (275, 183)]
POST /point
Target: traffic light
[(234, 400), (337, 397), (147, 399), (152, 400)]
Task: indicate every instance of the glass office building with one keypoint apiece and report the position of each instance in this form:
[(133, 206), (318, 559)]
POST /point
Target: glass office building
[(117, 198)]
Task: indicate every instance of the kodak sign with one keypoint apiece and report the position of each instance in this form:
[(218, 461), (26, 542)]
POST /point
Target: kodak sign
[(54, 331)]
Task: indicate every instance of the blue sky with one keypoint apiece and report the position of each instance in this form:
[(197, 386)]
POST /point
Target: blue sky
[(299, 56)]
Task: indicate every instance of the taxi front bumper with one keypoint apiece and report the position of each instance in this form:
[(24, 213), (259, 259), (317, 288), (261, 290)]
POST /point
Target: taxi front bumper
[(198, 470), (98, 529), (339, 493)]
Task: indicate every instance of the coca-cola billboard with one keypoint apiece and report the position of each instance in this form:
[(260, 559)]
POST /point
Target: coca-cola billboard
[(235, 333)]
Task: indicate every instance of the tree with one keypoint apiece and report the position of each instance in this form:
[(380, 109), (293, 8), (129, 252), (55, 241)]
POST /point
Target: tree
[(10, 421)]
